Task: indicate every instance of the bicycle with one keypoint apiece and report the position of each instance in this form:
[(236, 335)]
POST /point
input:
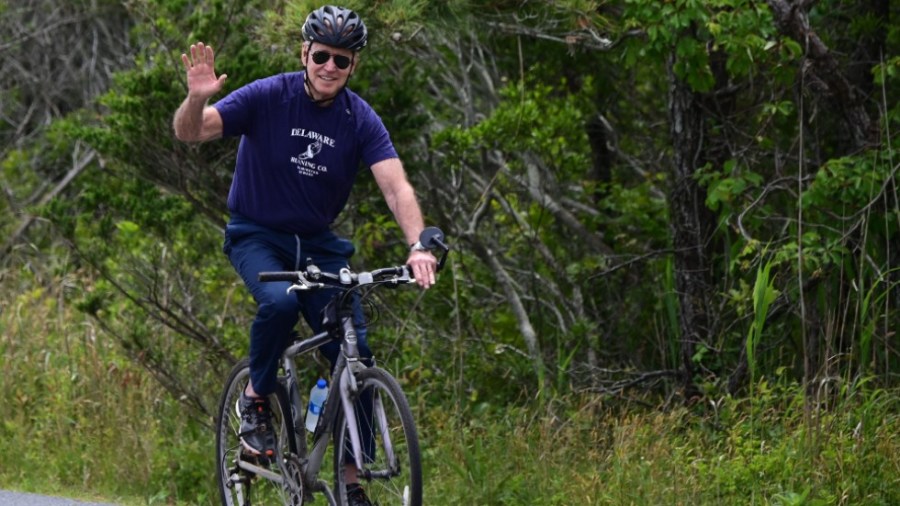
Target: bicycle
[(392, 472)]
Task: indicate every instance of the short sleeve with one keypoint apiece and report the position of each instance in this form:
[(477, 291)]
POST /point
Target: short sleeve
[(238, 107), (376, 141)]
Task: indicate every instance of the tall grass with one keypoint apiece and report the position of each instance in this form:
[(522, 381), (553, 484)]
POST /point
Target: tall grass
[(78, 416), (742, 452), (80, 420), (872, 313)]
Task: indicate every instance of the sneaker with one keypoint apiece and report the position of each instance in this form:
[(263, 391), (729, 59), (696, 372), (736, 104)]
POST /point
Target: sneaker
[(356, 496), (256, 425)]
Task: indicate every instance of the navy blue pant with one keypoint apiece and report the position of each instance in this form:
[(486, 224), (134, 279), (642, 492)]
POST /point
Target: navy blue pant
[(253, 249)]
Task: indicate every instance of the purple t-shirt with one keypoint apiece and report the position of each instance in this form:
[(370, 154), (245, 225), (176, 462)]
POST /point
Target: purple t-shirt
[(297, 161)]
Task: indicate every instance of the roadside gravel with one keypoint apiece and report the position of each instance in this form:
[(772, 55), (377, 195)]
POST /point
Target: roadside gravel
[(22, 499)]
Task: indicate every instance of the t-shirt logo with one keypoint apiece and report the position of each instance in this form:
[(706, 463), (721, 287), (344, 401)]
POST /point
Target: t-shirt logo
[(311, 151), (304, 161)]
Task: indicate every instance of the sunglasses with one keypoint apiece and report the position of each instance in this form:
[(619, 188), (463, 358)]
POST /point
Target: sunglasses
[(322, 57)]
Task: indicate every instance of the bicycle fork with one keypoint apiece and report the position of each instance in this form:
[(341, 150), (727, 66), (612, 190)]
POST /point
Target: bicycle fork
[(349, 390)]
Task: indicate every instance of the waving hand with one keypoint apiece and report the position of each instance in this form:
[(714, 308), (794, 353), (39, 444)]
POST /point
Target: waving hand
[(201, 72)]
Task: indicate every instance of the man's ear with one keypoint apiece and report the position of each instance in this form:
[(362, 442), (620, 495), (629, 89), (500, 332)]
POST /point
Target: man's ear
[(304, 53)]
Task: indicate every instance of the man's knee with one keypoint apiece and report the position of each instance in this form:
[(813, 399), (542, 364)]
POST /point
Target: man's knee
[(281, 309)]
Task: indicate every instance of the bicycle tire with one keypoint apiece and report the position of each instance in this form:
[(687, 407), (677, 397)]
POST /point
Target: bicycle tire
[(240, 486), (404, 487)]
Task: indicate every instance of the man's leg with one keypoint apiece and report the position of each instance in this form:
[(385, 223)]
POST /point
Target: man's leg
[(253, 249), (277, 311)]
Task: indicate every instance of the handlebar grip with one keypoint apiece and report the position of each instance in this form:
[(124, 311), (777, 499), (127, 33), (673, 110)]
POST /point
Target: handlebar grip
[(291, 276)]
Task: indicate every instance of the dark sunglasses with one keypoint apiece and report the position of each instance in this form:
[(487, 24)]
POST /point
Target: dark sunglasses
[(322, 57)]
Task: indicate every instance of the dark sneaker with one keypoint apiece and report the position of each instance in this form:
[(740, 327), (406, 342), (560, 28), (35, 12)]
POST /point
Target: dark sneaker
[(256, 425), (356, 496)]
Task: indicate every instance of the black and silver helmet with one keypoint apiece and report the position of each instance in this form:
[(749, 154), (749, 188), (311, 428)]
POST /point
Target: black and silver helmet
[(336, 27)]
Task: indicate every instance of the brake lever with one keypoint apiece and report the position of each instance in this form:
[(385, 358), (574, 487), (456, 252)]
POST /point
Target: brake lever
[(402, 278), (406, 277), (304, 286)]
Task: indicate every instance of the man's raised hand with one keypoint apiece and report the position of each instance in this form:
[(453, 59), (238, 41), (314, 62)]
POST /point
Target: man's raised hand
[(201, 72)]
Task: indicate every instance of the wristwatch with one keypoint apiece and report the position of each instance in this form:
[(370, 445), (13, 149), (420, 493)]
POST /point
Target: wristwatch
[(417, 246)]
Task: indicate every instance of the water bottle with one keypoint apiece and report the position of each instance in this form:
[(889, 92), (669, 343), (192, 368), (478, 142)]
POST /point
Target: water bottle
[(316, 402)]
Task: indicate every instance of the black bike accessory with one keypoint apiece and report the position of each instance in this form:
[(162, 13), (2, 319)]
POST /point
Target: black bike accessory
[(279, 276), (433, 238)]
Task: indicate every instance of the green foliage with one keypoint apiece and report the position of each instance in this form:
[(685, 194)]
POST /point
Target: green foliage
[(844, 184), (75, 401), (490, 104), (764, 294), (726, 185), (691, 29)]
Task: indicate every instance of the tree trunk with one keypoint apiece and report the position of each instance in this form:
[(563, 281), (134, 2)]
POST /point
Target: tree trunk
[(691, 223), (793, 21)]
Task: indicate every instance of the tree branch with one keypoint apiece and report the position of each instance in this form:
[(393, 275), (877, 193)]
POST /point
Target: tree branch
[(793, 21), (79, 166)]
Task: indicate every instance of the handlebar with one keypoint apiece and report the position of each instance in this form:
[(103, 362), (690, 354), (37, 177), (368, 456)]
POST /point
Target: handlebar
[(312, 278)]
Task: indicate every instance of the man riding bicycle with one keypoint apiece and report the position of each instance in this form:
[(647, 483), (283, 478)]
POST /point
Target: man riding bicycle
[(303, 137)]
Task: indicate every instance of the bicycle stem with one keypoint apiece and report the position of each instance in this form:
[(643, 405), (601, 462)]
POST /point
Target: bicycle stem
[(350, 347)]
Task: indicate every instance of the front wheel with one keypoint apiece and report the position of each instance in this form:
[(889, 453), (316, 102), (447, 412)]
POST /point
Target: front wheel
[(392, 468)]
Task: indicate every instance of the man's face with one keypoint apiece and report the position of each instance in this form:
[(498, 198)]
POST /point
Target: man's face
[(323, 68)]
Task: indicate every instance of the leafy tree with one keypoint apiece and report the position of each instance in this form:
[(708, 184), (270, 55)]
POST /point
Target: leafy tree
[(597, 164)]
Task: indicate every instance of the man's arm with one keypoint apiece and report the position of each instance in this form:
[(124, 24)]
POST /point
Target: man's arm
[(195, 121), (401, 199)]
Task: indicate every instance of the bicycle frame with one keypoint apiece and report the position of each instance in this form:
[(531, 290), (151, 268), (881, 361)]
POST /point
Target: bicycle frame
[(347, 365)]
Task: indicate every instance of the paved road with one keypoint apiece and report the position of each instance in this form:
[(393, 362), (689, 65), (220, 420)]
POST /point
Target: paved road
[(20, 499)]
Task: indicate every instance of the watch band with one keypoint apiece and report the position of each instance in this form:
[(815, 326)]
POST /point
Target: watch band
[(417, 246)]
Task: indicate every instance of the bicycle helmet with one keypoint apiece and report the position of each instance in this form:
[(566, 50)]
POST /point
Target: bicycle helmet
[(336, 27)]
